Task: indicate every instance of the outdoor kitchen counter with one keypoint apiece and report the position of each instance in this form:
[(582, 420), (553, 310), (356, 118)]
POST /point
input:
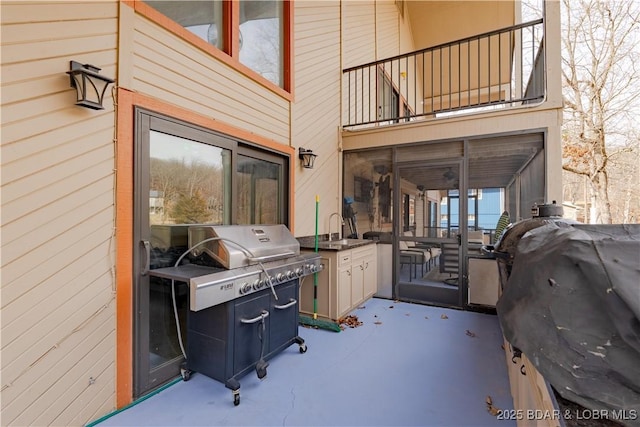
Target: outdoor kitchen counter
[(335, 245), (347, 279)]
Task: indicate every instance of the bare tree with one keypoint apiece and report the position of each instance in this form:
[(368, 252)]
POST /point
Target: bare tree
[(601, 84)]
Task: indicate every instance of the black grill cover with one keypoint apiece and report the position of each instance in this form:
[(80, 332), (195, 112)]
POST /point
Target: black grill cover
[(572, 305)]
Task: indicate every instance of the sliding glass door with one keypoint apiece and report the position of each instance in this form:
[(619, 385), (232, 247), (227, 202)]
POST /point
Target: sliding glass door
[(185, 175)]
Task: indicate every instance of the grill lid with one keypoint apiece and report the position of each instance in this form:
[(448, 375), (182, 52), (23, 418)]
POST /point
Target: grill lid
[(236, 246)]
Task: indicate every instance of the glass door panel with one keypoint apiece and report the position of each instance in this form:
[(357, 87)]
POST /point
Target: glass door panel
[(183, 176), (260, 191), (428, 250)]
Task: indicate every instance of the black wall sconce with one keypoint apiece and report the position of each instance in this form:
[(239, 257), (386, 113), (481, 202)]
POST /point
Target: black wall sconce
[(307, 157), (90, 85), (421, 191)]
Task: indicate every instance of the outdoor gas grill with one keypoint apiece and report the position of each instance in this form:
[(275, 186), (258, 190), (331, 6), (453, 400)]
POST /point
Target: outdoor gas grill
[(244, 283)]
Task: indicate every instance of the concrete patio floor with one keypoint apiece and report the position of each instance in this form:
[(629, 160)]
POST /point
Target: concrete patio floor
[(406, 365)]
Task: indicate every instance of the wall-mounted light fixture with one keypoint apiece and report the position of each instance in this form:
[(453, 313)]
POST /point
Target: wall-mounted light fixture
[(307, 157), (90, 85), (421, 191)]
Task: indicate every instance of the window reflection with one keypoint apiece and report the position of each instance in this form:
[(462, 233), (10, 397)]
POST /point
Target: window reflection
[(203, 18), (259, 198), (261, 38), (188, 181), (367, 185)]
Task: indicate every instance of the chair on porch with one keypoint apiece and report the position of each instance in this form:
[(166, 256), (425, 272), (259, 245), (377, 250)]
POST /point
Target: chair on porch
[(414, 253)]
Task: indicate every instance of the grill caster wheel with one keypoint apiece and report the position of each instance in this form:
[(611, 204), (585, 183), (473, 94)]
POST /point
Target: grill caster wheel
[(236, 398), (185, 373), (303, 348)]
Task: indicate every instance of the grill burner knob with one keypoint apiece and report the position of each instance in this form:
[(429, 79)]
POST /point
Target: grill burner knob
[(244, 288), (313, 268), (280, 277), (256, 284), (290, 274), (299, 271)]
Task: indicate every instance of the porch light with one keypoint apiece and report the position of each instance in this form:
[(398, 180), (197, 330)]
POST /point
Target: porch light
[(90, 85), (307, 157)]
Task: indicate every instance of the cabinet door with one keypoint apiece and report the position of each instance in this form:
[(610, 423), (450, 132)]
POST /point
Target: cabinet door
[(357, 283), (370, 276), (344, 290)]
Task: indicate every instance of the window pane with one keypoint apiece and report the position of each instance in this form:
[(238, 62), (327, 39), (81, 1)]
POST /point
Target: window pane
[(202, 17), (261, 38), (259, 198), (189, 181)]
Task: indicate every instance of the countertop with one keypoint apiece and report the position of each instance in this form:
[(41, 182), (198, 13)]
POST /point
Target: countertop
[(335, 245)]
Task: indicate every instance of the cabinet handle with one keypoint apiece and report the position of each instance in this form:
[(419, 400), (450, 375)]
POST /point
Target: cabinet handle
[(291, 303), (256, 319), (348, 272), (361, 267)]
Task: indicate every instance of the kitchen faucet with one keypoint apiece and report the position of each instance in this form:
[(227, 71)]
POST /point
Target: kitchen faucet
[(341, 222)]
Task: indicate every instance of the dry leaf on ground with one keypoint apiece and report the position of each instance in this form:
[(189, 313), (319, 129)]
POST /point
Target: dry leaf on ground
[(351, 321), (490, 408), (471, 334), (444, 316)]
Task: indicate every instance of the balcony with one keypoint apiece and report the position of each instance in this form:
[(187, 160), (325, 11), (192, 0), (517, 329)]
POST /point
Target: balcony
[(500, 69)]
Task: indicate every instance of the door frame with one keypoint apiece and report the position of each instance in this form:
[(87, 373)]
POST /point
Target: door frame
[(437, 296)]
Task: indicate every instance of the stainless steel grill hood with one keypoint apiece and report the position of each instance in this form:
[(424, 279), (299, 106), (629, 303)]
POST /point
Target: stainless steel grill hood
[(236, 246)]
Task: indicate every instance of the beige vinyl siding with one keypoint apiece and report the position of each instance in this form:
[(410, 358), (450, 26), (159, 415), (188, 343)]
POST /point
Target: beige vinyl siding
[(359, 39), (173, 70), (58, 307), (387, 29), (316, 112)]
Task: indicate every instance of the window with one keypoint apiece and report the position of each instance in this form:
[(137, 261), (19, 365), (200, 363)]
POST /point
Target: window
[(254, 34), (261, 38), (388, 99), (205, 19)]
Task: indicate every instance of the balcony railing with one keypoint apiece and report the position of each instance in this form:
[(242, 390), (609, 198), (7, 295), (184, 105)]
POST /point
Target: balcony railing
[(499, 69)]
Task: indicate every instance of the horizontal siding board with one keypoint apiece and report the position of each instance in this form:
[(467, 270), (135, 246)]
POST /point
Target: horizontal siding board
[(40, 159), (67, 115), (203, 98), (64, 207), (73, 245), (82, 411), (52, 293), (188, 71), (68, 396), (57, 228), (68, 360), (57, 207), (43, 31), (48, 67), (41, 376), (14, 12), (104, 402), (69, 48), (40, 143), (77, 311), (75, 174), (191, 66)]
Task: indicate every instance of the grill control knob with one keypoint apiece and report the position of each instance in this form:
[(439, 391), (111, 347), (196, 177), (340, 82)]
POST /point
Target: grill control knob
[(256, 285), (280, 277), (290, 274), (313, 268), (244, 288), (299, 271)]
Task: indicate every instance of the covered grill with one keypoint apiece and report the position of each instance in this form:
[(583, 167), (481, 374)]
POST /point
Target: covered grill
[(244, 283), (570, 303)]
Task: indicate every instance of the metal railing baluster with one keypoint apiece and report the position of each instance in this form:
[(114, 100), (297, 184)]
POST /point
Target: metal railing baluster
[(388, 100)]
